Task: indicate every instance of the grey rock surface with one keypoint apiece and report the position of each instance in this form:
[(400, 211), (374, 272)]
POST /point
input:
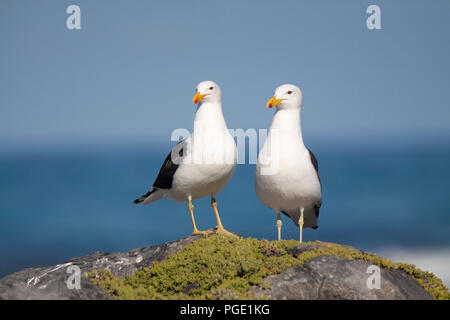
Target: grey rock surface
[(51, 282), (324, 277), (333, 278)]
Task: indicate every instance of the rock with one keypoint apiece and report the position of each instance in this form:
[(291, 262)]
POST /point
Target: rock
[(51, 282), (331, 278), (322, 277)]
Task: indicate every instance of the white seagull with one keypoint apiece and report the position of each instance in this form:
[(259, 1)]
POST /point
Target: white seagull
[(287, 176), (202, 164)]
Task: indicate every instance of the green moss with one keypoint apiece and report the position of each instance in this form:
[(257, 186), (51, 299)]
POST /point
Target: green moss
[(226, 268)]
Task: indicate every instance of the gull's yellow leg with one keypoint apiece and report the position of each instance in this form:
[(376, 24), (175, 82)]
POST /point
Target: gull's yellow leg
[(279, 224), (191, 210), (220, 229), (300, 223)]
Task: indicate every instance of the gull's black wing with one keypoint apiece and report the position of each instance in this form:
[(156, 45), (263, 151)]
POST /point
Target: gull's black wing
[(165, 176), (168, 169), (316, 166)]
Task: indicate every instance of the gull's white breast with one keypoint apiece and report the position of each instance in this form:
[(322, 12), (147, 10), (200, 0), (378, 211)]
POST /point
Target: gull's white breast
[(285, 178), (209, 164)]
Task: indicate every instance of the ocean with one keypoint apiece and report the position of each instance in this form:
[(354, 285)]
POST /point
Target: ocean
[(58, 205)]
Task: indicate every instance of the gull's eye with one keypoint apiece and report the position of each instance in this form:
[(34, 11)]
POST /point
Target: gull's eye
[(211, 88), (289, 92)]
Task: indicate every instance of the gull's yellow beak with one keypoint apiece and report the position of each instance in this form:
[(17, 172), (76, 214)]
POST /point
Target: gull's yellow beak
[(198, 97), (273, 102)]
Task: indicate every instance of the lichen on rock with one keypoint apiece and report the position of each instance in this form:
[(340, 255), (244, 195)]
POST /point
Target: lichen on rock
[(227, 268)]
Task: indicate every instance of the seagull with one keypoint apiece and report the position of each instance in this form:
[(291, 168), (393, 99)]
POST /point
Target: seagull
[(287, 173), (202, 164)]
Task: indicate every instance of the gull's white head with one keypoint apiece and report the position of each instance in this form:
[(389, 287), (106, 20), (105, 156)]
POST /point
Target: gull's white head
[(207, 91), (287, 96)]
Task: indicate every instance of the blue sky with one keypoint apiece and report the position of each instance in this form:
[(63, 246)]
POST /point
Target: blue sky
[(129, 74)]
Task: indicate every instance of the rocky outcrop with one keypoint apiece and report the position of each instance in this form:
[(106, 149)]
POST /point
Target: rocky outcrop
[(331, 278), (52, 282), (322, 277)]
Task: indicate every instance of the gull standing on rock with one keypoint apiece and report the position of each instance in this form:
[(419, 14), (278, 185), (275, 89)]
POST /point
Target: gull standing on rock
[(202, 164), (287, 175)]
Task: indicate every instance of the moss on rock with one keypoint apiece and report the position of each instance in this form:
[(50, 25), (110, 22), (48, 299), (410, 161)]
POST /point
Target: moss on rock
[(226, 268)]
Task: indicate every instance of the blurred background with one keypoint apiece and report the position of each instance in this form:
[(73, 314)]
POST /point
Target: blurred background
[(86, 118)]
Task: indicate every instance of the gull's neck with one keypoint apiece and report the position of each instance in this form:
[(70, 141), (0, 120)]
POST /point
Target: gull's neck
[(287, 123), (209, 117)]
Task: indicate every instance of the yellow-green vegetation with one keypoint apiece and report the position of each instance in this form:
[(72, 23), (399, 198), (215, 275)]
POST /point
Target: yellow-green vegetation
[(226, 268)]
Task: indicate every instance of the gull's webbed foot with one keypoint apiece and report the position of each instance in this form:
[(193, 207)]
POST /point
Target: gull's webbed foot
[(222, 232)]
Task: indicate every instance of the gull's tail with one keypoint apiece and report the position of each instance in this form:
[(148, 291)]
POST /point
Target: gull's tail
[(153, 195)]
